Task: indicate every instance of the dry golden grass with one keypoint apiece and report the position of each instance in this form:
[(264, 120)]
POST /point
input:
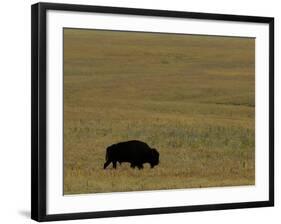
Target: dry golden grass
[(191, 97)]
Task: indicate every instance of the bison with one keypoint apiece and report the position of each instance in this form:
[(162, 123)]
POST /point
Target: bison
[(134, 152)]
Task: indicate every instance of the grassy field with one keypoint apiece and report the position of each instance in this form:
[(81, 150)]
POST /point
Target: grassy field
[(191, 97)]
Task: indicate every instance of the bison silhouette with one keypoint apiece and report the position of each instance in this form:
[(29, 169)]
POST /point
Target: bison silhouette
[(135, 152)]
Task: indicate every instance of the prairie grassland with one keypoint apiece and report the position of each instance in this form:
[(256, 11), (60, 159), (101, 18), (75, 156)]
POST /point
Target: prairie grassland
[(191, 97)]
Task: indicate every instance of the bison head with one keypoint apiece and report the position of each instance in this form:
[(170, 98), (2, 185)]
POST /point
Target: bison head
[(154, 158)]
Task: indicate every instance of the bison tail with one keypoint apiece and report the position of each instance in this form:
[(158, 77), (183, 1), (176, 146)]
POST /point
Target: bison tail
[(106, 154)]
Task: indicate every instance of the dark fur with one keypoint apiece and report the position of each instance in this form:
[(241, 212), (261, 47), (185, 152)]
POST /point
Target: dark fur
[(135, 152)]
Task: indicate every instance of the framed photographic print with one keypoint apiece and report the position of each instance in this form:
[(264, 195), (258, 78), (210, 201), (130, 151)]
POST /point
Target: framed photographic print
[(139, 111)]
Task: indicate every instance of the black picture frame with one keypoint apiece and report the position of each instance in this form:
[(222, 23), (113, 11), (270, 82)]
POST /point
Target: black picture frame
[(38, 109)]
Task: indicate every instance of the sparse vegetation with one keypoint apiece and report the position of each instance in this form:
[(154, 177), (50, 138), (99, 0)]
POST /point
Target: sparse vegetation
[(191, 97)]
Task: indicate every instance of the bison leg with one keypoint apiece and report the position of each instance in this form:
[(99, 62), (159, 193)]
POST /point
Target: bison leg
[(106, 164), (133, 165), (114, 164), (140, 166)]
